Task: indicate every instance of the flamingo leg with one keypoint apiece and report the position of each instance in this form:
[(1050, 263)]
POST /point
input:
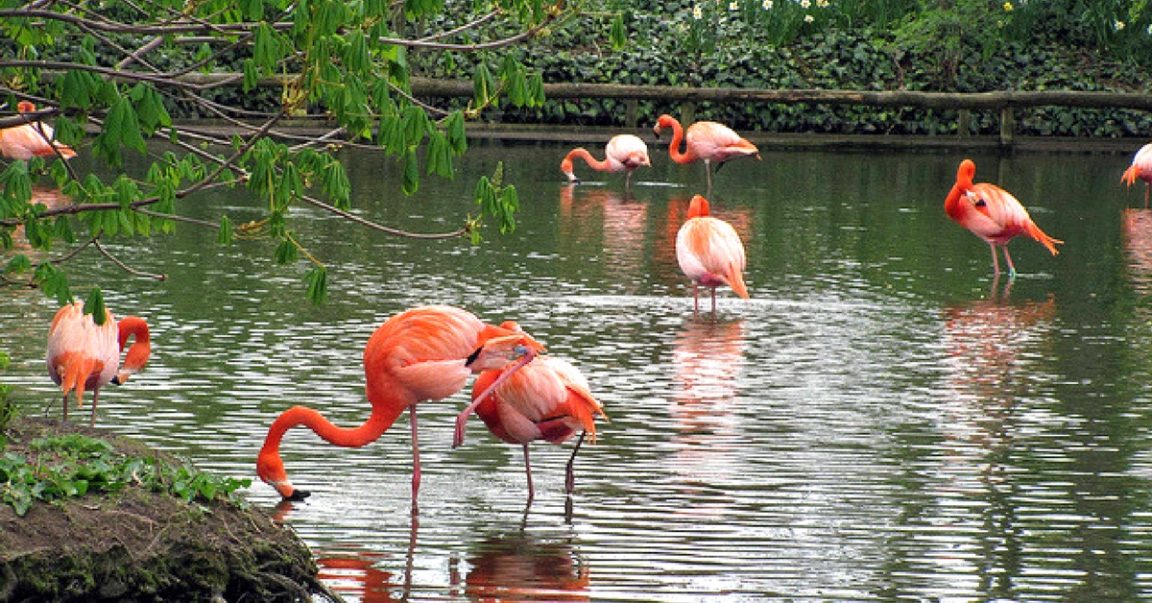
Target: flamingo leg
[(64, 403), (95, 400), (1011, 267), (708, 171), (569, 474), (695, 298), (713, 300), (415, 457), (628, 181), (1147, 192), (995, 261), (528, 473)]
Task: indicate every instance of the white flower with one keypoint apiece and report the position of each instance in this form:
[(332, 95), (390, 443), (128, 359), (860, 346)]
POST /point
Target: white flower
[(767, 4), (809, 18), (733, 5), (1150, 30), (1118, 25), (805, 4), (822, 3), (697, 12)]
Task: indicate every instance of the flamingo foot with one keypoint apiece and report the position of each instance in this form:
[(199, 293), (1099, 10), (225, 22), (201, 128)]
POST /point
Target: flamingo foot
[(298, 495)]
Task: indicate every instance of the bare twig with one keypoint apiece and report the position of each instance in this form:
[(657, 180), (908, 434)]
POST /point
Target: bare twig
[(126, 267)]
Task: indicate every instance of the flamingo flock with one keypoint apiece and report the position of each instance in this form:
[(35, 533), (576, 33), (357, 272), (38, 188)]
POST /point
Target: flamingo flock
[(428, 353)]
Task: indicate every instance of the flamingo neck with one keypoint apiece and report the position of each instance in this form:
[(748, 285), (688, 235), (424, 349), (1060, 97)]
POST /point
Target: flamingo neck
[(688, 156), (134, 327), (582, 153)]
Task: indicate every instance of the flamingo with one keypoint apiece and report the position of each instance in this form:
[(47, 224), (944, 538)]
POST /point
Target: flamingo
[(992, 214), (31, 139), (83, 355), (707, 141), (623, 153), (1141, 168), (424, 353), (710, 253), (546, 400)]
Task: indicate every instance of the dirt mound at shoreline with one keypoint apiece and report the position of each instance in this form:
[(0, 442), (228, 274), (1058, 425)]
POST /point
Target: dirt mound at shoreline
[(142, 545)]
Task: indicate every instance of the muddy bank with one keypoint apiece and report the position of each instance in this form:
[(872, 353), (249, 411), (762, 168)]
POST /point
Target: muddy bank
[(139, 544)]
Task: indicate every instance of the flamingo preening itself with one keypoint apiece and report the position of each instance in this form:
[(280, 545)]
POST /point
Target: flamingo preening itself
[(546, 400), (623, 153), (35, 139), (710, 253), (705, 141), (992, 214), (85, 356), (424, 353), (1141, 169)]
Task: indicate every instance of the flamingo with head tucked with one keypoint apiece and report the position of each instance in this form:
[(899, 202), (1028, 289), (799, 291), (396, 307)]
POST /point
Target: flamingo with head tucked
[(85, 356), (1141, 169), (623, 153), (992, 214), (424, 353), (30, 140), (710, 253), (705, 141), (546, 400)]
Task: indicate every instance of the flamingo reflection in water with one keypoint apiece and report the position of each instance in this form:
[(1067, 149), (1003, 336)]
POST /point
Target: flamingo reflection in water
[(616, 222), (709, 357), (522, 567), (1137, 233)]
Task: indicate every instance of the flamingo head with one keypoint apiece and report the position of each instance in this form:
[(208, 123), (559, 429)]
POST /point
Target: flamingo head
[(664, 121), (270, 468), (698, 207), (966, 172), (501, 346), (138, 354), (567, 169)]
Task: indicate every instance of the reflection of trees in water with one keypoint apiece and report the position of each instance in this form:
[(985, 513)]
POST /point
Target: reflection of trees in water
[(521, 567)]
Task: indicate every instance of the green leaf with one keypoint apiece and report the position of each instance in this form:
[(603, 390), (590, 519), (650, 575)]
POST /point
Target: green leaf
[(94, 305), (483, 85), (457, 138), (438, 159), (317, 280), (53, 282), (411, 173), (18, 265), (286, 252), (225, 236), (618, 36)]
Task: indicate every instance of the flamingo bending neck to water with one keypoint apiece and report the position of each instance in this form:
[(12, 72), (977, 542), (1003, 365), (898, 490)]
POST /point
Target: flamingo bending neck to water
[(992, 214), (623, 153), (424, 353), (83, 355), (705, 141)]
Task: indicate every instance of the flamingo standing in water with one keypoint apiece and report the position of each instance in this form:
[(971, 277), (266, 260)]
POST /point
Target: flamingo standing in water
[(710, 253), (32, 139), (623, 153), (83, 355), (992, 214), (546, 400), (706, 141), (1141, 168), (424, 353)]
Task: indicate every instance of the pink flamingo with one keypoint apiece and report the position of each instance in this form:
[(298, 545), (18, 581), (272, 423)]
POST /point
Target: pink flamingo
[(710, 253), (421, 354), (992, 214), (623, 153), (546, 400), (32, 139), (706, 141), (83, 355), (1141, 168)]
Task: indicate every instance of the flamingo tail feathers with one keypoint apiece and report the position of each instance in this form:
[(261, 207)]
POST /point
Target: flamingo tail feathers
[(735, 280), (1045, 240), (1129, 176)]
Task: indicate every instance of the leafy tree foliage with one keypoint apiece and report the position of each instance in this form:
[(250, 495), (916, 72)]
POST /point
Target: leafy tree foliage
[(110, 76)]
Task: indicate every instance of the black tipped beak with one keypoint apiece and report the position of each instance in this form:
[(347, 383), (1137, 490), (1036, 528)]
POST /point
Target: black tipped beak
[(298, 495), (472, 357), (116, 380)]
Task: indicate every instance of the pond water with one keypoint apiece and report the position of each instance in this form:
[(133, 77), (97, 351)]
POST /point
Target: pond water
[(881, 421)]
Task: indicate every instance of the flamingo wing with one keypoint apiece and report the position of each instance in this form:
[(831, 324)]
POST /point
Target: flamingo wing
[(717, 142), (710, 253), (421, 352), (627, 151), (81, 355), (546, 400)]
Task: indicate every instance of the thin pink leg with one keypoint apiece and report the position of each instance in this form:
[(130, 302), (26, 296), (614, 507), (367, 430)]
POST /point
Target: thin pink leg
[(95, 399), (1011, 267), (415, 458), (695, 298), (569, 474), (528, 472), (713, 300), (995, 261)]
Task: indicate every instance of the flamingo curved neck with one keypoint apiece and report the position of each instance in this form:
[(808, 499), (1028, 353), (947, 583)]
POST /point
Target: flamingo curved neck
[(688, 156), (581, 153)]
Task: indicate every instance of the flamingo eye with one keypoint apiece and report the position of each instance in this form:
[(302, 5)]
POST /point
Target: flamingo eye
[(980, 203), (520, 350)]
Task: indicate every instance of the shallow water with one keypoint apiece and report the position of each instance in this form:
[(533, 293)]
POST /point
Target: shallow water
[(881, 421)]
